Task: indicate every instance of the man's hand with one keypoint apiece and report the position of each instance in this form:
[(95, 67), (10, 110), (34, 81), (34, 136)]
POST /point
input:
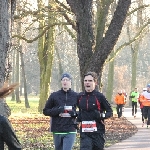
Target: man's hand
[(72, 113), (61, 109), (99, 115)]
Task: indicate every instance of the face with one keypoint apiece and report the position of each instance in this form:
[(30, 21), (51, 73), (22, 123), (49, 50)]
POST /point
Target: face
[(148, 88), (89, 83), (66, 83), (135, 89)]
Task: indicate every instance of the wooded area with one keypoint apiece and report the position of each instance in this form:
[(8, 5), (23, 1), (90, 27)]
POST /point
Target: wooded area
[(44, 38)]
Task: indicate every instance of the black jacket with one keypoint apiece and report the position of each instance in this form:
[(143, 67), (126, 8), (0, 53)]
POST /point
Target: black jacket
[(57, 99), (91, 105)]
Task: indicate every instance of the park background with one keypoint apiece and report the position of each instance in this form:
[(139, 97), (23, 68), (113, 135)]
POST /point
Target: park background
[(50, 37), (44, 45)]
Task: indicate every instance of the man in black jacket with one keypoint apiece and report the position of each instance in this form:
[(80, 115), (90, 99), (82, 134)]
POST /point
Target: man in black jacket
[(61, 107), (93, 109)]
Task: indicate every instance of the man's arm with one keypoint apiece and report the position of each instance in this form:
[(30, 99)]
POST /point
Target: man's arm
[(106, 106), (50, 109)]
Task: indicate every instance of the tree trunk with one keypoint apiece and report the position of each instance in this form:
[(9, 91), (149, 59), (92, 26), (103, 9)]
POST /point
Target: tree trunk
[(4, 37), (17, 75), (89, 59), (109, 91), (13, 71), (24, 79), (46, 61)]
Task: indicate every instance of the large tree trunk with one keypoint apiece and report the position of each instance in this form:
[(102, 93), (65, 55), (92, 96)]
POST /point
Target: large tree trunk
[(85, 38), (89, 59), (4, 37), (46, 51)]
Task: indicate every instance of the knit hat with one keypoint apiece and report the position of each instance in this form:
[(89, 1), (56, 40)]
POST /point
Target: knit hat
[(66, 75), (148, 85)]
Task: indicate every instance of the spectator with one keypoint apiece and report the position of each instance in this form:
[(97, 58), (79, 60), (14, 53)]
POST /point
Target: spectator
[(120, 101), (93, 109), (7, 133), (134, 98), (61, 107)]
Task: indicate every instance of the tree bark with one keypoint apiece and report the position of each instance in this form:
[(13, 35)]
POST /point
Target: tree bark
[(46, 60), (4, 37), (90, 59)]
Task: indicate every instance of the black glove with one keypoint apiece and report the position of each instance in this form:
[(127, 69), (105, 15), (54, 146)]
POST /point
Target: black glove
[(72, 113), (99, 115), (61, 109), (132, 96)]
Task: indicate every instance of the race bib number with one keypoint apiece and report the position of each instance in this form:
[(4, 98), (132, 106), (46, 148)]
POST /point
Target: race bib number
[(66, 110), (89, 126)]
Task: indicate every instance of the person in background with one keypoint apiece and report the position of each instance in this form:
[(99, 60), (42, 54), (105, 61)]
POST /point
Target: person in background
[(61, 107), (134, 98), (145, 100), (7, 133), (120, 102), (93, 110), (141, 106)]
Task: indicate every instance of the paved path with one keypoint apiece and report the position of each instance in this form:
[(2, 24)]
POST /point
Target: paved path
[(139, 141)]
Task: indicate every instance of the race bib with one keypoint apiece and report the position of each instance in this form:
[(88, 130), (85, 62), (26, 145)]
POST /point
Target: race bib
[(66, 110), (89, 126)]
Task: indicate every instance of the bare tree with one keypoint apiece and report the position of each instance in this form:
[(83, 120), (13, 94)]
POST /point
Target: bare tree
[(89, 58)]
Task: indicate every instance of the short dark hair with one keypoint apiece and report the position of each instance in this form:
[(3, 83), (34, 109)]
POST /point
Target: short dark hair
[(93, 74)]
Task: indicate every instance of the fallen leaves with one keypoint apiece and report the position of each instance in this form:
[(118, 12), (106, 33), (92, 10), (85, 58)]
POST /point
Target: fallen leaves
[(33, 132)]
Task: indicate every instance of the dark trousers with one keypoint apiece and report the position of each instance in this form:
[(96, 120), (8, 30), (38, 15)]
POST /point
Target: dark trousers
[(91, 141), (146, 113), (142, 114), (7, 135), (134, 108), (119, 110)]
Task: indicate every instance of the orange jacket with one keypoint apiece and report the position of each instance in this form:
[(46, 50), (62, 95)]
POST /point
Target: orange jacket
[(119, 99), (145, 98), (141, 105)]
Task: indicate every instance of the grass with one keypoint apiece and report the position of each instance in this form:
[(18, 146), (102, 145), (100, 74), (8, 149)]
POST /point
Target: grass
[(20, 107)]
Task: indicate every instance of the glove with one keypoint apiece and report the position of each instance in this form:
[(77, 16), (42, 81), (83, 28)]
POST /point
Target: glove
[(72, 113), (132, 96), (99, 115), (61, 109)]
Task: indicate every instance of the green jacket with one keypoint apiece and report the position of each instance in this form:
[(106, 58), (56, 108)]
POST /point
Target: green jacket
[(134, 96)]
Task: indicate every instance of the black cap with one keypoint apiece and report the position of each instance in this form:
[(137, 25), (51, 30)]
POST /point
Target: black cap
[(67, 75)]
